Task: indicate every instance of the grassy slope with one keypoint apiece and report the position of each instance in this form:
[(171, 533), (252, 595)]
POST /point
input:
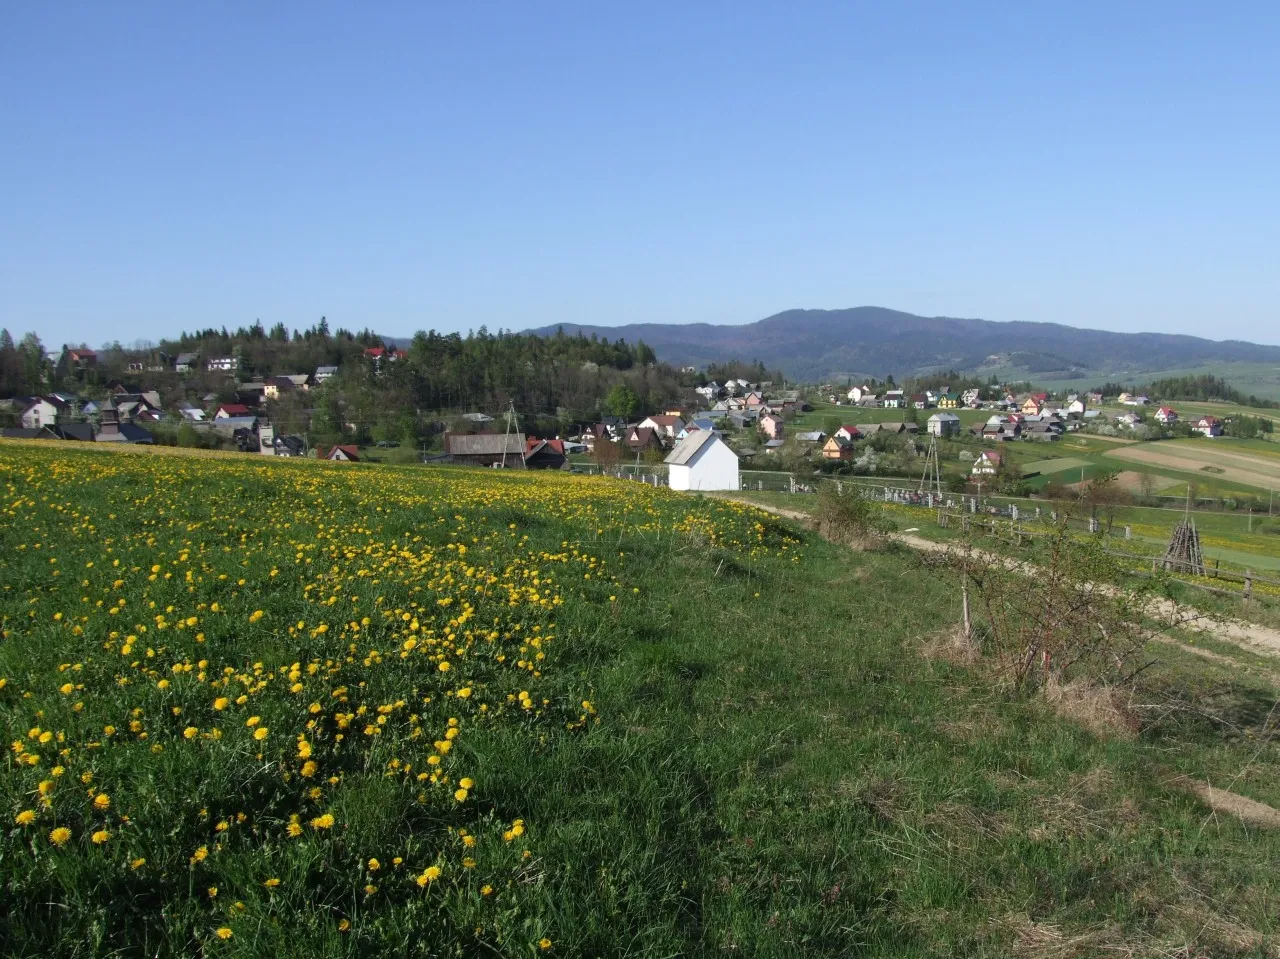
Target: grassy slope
[(776, 772)]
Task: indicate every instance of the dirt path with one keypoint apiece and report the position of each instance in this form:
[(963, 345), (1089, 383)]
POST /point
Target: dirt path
[(1257, 638)]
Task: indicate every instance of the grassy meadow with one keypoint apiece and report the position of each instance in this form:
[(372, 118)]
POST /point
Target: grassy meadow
[(282, 708)]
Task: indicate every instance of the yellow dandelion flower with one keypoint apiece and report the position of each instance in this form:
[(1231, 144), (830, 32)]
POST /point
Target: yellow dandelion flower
[(460, 795), (190, 732), (138, 863), (25, 818), (272, 882), (100, 837), (101, 801), (323, 822), (374, 865), (260, 733), (60, 836), (223, 932), (544, 943)]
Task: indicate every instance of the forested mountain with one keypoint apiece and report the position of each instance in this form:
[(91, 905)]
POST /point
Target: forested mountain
[(873, 341)]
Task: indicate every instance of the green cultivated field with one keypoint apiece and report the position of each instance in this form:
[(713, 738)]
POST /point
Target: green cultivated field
[(552, 715)]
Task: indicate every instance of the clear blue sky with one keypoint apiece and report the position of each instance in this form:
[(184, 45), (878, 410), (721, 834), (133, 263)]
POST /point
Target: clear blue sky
[(411, 165)]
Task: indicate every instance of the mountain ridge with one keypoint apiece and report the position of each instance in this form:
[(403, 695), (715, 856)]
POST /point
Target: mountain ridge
[(875, 341)]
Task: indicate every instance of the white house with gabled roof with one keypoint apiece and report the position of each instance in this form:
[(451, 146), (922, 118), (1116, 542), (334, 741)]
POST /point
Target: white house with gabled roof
[(702, 461)]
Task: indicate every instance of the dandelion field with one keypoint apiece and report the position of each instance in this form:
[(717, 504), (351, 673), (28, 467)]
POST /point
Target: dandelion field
[(260, 707)]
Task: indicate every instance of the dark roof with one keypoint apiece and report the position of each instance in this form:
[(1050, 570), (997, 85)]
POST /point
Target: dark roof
[(18, 433)]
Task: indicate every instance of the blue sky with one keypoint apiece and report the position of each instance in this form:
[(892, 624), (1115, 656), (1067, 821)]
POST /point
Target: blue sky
[(401, 166)]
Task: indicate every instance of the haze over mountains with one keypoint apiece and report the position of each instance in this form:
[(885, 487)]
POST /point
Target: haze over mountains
[(874, 341)]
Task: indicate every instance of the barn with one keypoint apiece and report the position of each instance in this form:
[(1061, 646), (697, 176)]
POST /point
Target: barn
[(702, 461)]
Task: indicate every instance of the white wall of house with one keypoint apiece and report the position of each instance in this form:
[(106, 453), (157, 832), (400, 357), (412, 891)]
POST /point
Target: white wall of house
[(41, 414), (714, 467)]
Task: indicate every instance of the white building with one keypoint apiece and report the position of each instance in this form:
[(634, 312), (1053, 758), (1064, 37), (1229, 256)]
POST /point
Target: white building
[(40, 413), (944, 424), (702, 461)]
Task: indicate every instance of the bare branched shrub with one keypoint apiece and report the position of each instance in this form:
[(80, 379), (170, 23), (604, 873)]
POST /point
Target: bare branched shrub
[(846, 516), (1058, 615)]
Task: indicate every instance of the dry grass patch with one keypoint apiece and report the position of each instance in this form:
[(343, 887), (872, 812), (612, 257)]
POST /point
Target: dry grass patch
[(951, 645), (1103, 710)]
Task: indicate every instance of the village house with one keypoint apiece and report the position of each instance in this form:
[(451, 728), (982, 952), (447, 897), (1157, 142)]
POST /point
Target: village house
[(222, 364), (230, 410), (944, 424), (1031, 406), (702, 461), (1167, 415), (38, 413), (1129, 421), (324, 373), (1207, 426), (665, 424), (838, 448), (186, 362), (987, 463), (1076, 406), (771, 425), (894, 400), (640, 438), (342, 454), (1094, 397), (948, 401), (545, 455), (858, 392), (811, 437), (920, 401), (849, 432), (970, 397)]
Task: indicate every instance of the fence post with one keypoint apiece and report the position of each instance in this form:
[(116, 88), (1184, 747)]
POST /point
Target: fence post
[(1248, 583), (1128, 532), (1013, 512), (1093, 524)]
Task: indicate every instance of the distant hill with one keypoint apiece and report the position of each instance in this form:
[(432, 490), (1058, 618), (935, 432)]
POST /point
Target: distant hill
[(874, 341)]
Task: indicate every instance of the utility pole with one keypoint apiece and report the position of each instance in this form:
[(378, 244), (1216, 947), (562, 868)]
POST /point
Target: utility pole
[(511, 418)]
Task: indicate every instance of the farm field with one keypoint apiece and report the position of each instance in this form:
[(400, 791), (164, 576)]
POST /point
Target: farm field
[(272, 707), (1207, 458), (1058, 464), (1260, 379)]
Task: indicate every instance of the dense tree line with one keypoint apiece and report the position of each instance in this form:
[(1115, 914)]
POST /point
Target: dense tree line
[(1201, 387)]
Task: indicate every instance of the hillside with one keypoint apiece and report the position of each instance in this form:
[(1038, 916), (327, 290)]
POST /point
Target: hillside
[(470, 712), (873, 341)]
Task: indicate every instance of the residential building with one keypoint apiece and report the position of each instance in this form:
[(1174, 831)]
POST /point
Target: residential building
[(222, 364), (667, 425), (1207, 426), (545, 455), (944, 424), (986, 464), (186, 362), (849, 432), (948, 401), (838, 448), (771, 425), (38, 413), (324, 373), (342, 454), (1167, 415)]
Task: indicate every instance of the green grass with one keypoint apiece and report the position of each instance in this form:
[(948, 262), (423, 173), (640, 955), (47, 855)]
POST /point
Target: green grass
[(768, 768)]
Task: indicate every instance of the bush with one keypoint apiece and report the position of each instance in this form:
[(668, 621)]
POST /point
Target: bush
[(846, 516)]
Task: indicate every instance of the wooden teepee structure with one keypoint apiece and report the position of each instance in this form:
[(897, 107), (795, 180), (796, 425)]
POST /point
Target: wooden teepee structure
[(1183, 554)]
